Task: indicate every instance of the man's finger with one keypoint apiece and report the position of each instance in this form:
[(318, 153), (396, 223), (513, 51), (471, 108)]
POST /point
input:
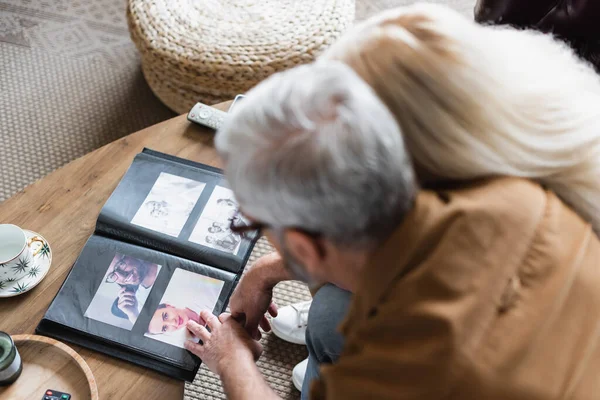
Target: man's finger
[(211, 320), (273, 310), (252, 323), (237, 315), (240, 318), (256, 335), (198, 330), (195, 348), (265, 325), (224, 317)]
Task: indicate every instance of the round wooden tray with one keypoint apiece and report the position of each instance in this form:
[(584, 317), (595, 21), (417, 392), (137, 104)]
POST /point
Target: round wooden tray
[(49, 364)]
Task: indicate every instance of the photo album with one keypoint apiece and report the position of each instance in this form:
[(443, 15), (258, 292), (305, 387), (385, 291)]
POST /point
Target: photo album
[(162, 251)]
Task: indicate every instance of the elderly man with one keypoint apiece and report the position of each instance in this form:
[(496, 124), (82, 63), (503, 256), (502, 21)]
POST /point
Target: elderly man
[(481, 291)]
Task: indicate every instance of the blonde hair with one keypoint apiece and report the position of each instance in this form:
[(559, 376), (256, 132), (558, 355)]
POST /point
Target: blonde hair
[(475, 101)]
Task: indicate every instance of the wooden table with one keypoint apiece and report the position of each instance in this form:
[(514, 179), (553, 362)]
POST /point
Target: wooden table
[(63, 207)]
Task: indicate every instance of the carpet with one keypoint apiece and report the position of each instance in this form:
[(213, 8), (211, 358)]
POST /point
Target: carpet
[(70, 82)]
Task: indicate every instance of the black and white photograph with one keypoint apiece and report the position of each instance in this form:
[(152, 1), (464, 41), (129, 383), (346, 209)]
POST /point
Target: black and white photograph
[(186, 296), (123, 292), (212, 229), (169, 204)]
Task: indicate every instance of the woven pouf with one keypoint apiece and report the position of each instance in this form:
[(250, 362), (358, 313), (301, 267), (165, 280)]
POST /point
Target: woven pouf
[(211, 50)]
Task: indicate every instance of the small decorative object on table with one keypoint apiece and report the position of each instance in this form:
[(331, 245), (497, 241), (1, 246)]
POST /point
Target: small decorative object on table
[(10, 360)]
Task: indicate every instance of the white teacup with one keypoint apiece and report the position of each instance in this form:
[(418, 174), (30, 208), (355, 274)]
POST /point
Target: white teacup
[(16, 254)]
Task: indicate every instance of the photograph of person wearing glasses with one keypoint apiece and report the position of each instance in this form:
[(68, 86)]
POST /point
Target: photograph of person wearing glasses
[(123, 291)]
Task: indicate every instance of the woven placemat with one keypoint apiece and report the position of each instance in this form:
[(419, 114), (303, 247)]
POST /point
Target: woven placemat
[(279, 357)]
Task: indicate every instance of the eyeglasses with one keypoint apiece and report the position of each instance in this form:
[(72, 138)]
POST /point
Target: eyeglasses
[(118, 272), (238, 224)]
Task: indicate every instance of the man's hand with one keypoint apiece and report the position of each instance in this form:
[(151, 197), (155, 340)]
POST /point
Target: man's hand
[(128, 303), (252, 298), (223, 343)]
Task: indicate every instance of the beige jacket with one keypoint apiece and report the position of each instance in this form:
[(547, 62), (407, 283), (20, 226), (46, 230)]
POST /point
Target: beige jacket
[(491, 291)]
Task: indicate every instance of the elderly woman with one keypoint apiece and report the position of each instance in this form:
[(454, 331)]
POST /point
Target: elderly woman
[(475, 101)]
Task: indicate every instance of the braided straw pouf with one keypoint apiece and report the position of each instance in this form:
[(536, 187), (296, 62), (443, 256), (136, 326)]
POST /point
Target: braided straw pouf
[(211, 50)]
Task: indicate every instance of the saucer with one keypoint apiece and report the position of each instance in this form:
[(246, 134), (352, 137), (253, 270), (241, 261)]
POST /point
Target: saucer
[(34, 272)]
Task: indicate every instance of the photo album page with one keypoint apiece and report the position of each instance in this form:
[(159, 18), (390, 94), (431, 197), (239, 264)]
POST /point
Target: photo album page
[(139, 298), (181, 210), (162, 253)]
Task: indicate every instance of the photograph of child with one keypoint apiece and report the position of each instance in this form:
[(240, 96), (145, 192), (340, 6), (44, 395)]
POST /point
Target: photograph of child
[(212, 229), (123, 291), (188, 293), (169, 204)]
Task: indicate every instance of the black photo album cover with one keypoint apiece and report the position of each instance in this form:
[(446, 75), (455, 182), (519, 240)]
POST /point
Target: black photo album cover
[(162, 251)]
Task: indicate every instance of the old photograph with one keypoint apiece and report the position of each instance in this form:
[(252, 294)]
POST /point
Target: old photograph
[(169, 204), (123, 291), (186, 296), (212, 229)]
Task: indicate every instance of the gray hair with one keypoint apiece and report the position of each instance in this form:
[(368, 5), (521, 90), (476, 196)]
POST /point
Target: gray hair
[(314, 148)]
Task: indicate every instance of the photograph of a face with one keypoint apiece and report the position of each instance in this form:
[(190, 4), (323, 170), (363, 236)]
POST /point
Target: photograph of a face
[(212, 229), (169, 204), (186, 296), (123, 292)]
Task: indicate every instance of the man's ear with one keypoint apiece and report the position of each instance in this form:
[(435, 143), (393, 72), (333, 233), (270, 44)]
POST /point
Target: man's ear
[(305, 249)]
